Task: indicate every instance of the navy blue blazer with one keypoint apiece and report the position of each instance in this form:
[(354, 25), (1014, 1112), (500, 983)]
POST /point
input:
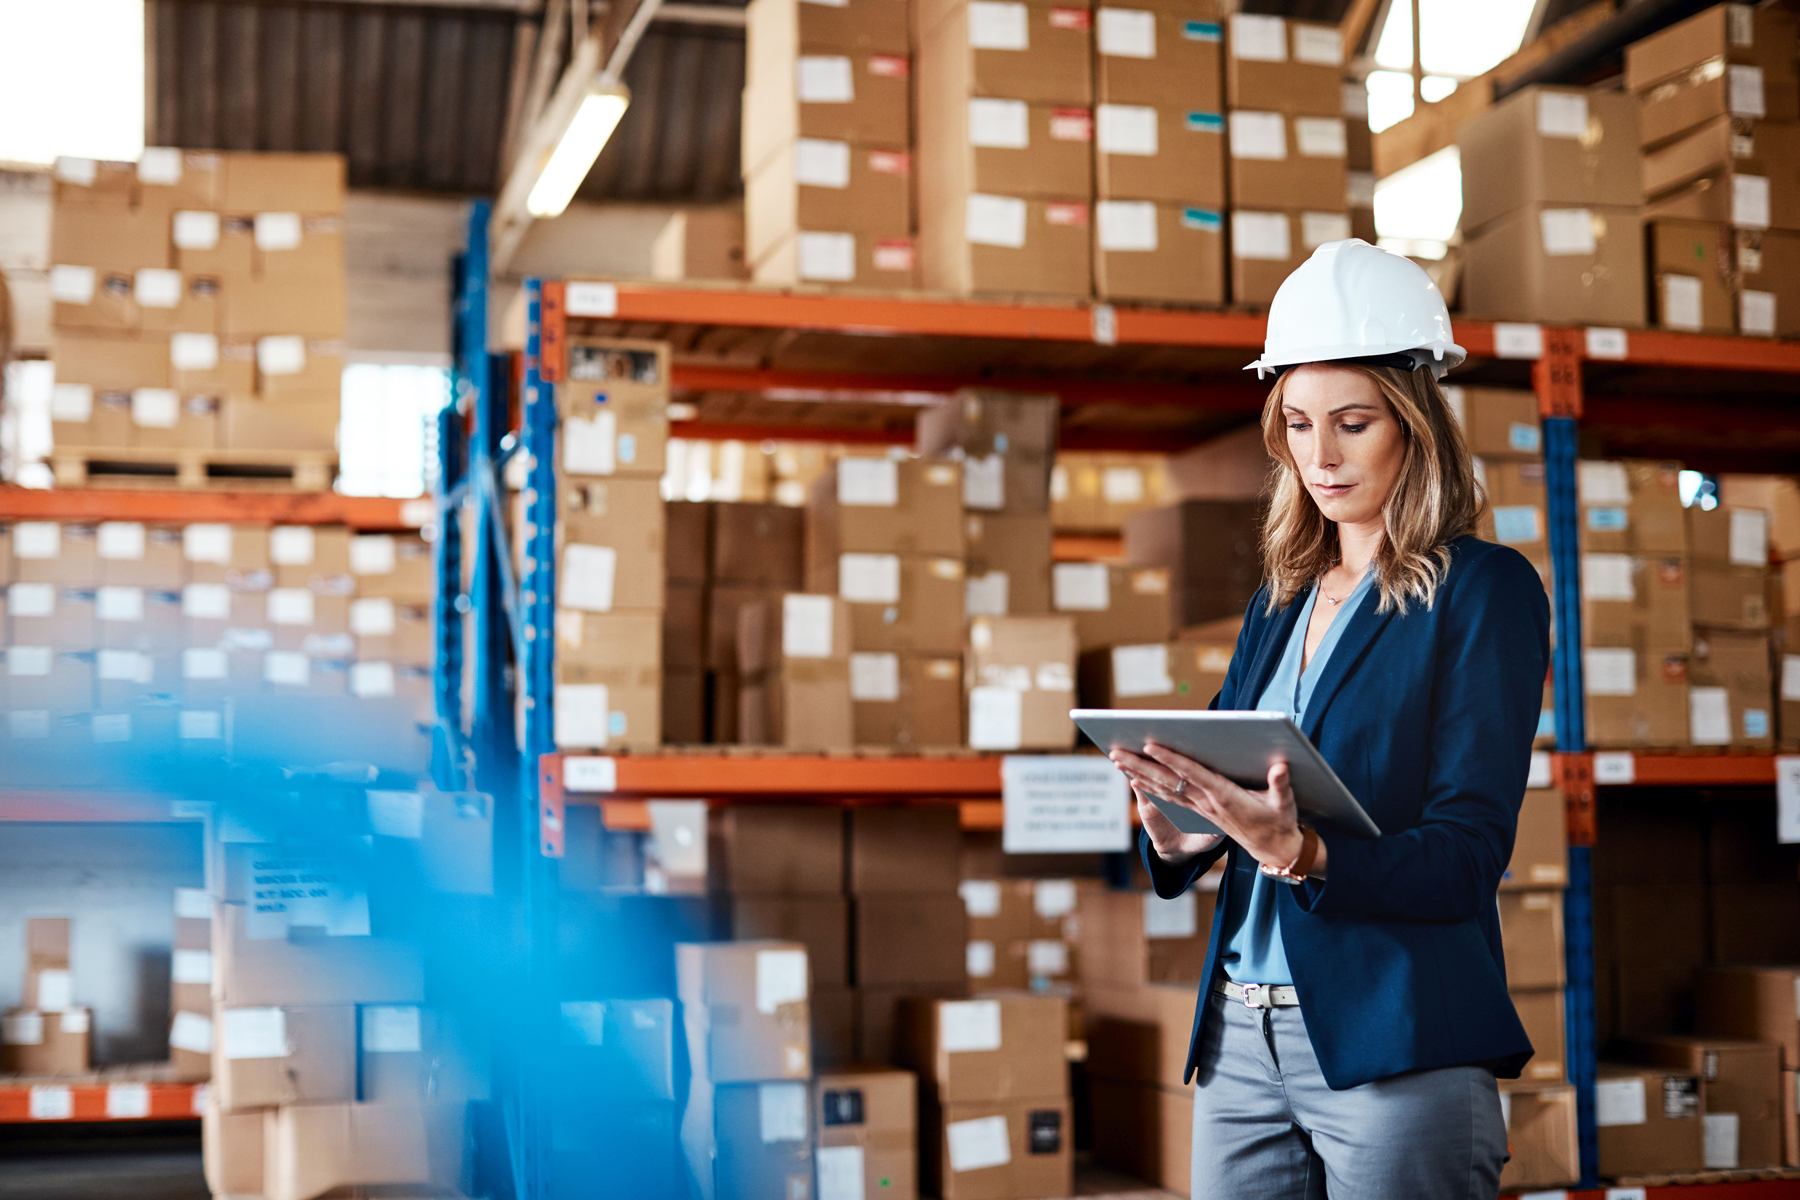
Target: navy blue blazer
[(1428, 718)]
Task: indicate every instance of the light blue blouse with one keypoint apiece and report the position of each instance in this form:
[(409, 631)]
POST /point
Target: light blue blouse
[(1252, 928)]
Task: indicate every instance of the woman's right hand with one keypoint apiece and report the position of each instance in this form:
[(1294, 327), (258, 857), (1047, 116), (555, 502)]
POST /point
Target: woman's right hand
[(1172, 845)]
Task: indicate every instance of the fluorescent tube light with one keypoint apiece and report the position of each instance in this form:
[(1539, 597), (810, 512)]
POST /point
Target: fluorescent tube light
[(580, 144)]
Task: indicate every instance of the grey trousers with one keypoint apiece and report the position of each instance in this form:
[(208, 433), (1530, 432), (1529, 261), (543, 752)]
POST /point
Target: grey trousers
[(1266, 1125)]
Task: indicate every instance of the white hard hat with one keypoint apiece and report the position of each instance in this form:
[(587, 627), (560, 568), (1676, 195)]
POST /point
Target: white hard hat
[(1351, 301)]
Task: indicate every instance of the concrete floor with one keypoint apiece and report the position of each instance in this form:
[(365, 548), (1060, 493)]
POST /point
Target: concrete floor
[(148, 1162)]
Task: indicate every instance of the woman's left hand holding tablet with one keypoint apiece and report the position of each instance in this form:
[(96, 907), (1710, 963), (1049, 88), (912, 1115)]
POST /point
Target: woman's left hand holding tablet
[(1265, 823)]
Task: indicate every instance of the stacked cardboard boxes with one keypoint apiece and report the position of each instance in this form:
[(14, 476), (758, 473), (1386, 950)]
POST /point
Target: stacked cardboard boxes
[(1359, 158), (48, 1034), (732, 556), (1006, 141), (1289, 148), (1210, 550), (687, 562), (1719, 122), (198, 302), (613, 408), (1023, 933), (1093, 492), (1758, 1004), (616, 1087), (1550, 219), (1159, 152), (995, 1118), (1779, 498), (797, 674), (867, 1123), (827, 143), (190, 976), (1730, 685), (908, 926)]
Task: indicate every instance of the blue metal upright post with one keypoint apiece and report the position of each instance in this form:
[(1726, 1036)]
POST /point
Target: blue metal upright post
[(449, 770)]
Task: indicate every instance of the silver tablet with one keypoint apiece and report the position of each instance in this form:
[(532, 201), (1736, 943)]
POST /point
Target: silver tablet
[(1241, 746)]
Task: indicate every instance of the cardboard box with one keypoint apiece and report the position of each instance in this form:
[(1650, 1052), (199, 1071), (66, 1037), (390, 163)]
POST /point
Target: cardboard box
[(1150, 251), (1008, 561), (1736, 196), (973, 143), (311, 1149), (1707, 92), (269, 1056), (1093, 491), (906, 699), (1516, 515), (768, 849), (1631, 506), (906, 849), (856, 96), (1266, 247), (1531, 934), (995, 1048), (1690, 268), (1730, 567), (1761, 38), (904, 938), (1276, 159), (1540, 844), (627, 1044), (820, 923), (108, 238), (48, 984), (307, 183), (607, 707), (1047, 57), (1210, 550), (1129, 939), (608, 433), (748, 1141), (1277, 65), (309, 970), (1756, 1003), (249, 423), (865, 1120), (833, 1027), (1542, 1012), (827, 257), (1160, 54), (110, 362), (688, 555), (1730, 155), (904, 603), (1635, 599), (745, 1009), (1730, 689), (1140, 1033), (1541, 1137), (1790, 1118), (992, 1150), (1111, 604), (1008, 444), (611, 538), (1173, 154), (1650, 1120), (1636, 696), (1020, 675), (1498, 424), (788, 25), (828, 186), (312, 308), (35, 1042), (231, 1150), (1571, 264), (1176, 675), (980, 243), (885, 506), (1550, 148), (880, 1023), (1741, 1078), (752, 544), (1022, 932), (1144, 1130)]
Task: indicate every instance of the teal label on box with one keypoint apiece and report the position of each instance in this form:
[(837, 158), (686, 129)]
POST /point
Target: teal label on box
[(1202, 218), (1516, 524), (1526, 439), (1202, 31), (1205, 122), (1756, 723), (1606, 518), (1547, 723)]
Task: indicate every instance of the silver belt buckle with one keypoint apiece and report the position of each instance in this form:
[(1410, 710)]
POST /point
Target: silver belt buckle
[(1250, 994)]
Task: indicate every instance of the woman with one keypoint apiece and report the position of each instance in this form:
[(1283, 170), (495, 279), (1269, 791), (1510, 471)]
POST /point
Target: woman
[(1355, 1015)]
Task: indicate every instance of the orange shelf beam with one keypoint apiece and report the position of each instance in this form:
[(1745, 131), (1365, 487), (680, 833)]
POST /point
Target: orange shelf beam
[(290, 508), (84, 1099), (87, 807), (633, 816), (1702, 770), (801, 775)]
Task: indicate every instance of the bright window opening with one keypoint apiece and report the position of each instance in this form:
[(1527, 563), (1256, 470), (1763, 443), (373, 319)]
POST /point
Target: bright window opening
[(1416, 209), (1456, 37), (388, 428), (71, 79)]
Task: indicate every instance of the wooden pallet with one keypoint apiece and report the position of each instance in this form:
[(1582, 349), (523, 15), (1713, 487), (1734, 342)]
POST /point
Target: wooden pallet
[(193, 469)]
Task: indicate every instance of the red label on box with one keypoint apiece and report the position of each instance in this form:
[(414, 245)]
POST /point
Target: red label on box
[(1670, 574), (892, 66), (1675, 668), (894, 254), (1066, 214), (890, 162), (1072, 125), (1071, 18)]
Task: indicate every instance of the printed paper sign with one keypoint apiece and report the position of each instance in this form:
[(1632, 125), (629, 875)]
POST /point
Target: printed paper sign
[(1064, 804)]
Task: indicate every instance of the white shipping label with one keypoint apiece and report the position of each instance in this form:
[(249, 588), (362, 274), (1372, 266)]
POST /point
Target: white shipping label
[(985, 595), (160, 165), (196, 230), (1122, 485), (1790, 677), (1513, 339), (592, 299), (126, 1101), (994, 220), (22, 1029), (1053, 898), (1261, 236), (277, 231), (1258, 135), (978, 959), (396, 814), (781, 1112), (1720, 1141), (968, 1025), (1125, 129), (71, 402), (1046, 957), (51, 1103), (1125, 225), (821, 163), (191, 966), (391, 1029), (1619, 1102), (206, 602), (806, 622), (209, 543), (75, 1021), (780, 978), (29, 660), (1141, 671), (1756, 312), (255, 1033), (978, 1144), (193, 351), (1538, 774), (868, 482), (1258, 39), (291, 545), (591, 774), (1744, 91), (580, 716), (157, 287), (588, 444), (79, 171), (1177, 918), (1608, 671), (373, 554), (55, 990), (1750, 201), (155, 408), (1080, 587), (1320, 137), (1709, 716), (125, 666), (980, 897), (1562, 114), (193, 904), (119, 603), (72, 285), (1787, 800), (875, 677), (37, 539), (281, 355), (1749, 537), (1318, 44), (1607, 577), (824, 79), (1063, 804), (197, 725), (1126, 32), (587, 577), (1681, 306), (998, 26), (826, 256), (995, 718), (1000, 124), (290, 606), (372, 616), (1602, 482), (1567, 231), (1318, 228), (869, 578), (984, 483), (840, 1172), (290, 668), (1606, 343), (32, 599)]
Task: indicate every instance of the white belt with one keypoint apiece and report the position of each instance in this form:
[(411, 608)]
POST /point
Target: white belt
[(1258, 995)]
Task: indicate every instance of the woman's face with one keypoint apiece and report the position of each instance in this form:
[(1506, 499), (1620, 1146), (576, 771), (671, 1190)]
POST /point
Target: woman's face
[(1345, 440)]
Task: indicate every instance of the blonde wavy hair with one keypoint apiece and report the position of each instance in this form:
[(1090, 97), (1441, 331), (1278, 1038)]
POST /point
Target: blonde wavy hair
[(1435, 499)]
